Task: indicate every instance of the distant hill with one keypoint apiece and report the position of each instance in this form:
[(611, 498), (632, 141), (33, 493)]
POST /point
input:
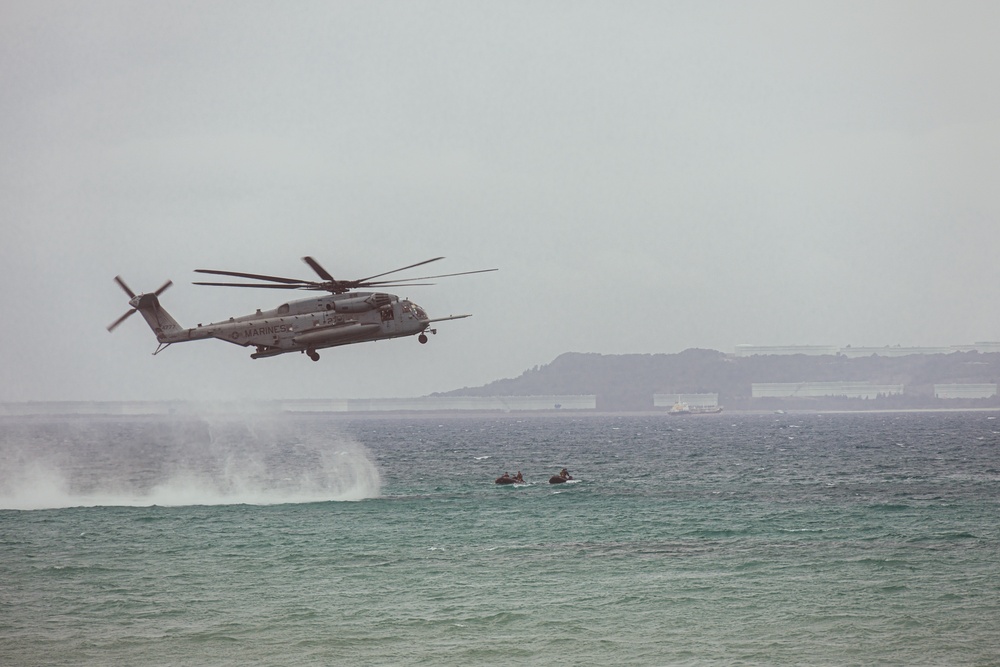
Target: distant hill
[(628, 381)]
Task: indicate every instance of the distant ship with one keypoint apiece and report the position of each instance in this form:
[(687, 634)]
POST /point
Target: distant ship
[(685, 409)]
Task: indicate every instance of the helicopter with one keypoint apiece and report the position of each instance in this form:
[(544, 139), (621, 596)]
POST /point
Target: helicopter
[(343, 317)]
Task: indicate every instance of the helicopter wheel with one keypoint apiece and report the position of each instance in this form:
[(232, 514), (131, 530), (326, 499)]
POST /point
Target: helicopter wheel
[(422, 338), (313, 354)]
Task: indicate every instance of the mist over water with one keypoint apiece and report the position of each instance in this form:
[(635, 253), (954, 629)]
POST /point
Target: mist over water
[(202, 460)]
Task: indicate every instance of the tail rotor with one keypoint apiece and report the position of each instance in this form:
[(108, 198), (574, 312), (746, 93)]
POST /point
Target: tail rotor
[(132, 300)]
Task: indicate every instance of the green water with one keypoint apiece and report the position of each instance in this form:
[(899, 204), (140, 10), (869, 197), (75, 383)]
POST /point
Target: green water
[(800, 540)]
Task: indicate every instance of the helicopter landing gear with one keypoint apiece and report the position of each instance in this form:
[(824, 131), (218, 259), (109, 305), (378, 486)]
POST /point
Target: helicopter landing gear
[(313, 354), (422, 338)]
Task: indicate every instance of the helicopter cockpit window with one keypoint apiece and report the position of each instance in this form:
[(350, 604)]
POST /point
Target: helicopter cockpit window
[(283, 309), (414, 310)]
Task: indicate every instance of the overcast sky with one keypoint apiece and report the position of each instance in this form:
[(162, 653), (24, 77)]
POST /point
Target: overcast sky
[(647, 176)]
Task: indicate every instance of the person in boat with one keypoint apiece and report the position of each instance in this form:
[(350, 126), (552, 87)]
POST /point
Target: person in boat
[(561, 477), (519, 478)]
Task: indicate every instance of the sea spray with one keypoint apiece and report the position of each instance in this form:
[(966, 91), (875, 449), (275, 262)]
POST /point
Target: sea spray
[(183, 460)]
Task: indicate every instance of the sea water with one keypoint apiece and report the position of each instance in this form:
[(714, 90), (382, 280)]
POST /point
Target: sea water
[(812, 539)]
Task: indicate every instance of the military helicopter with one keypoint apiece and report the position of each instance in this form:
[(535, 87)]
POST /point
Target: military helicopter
[(343, 317)]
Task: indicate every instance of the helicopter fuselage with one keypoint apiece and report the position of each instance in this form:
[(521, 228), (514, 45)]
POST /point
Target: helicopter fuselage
[(304, 325)]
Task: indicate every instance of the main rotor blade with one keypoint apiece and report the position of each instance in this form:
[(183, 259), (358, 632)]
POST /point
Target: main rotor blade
[(379, 275), (329, 283), (111, 327), (300, 285), (253, 276), (393, 284), (443, 275), (128, 290), (320, 271)]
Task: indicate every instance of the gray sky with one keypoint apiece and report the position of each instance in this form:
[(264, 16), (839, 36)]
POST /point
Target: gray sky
[(647, 176)]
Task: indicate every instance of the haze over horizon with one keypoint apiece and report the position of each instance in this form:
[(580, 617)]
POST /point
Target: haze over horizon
[(647, 177)]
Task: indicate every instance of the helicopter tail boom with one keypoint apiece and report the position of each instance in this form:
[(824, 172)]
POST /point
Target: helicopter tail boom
[(159, 320)]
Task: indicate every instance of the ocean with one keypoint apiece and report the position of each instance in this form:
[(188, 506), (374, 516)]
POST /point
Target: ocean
[(316, 539)]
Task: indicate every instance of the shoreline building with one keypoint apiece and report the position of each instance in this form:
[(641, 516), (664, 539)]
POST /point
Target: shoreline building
[(823, 389), (984, 390), (338, 405), (984, 347)]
